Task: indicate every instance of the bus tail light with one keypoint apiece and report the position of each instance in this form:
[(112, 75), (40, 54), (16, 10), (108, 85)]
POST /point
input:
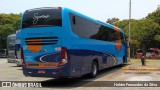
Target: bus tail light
[(63, 58), (22, 57)]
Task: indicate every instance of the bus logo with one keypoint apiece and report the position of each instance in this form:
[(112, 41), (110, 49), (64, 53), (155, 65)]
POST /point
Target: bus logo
[(36, 18), (6, 84)]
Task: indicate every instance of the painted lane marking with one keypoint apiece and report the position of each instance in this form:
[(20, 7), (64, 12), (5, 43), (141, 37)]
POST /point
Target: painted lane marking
[(140, 78)]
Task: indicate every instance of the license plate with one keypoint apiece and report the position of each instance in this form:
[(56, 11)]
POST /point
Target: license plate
[(41, 71)]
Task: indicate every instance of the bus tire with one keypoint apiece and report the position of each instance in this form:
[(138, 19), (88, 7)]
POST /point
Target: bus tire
[(94, 70)]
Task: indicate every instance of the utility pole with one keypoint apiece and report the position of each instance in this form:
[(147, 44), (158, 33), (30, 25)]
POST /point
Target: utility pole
[(129, 30)]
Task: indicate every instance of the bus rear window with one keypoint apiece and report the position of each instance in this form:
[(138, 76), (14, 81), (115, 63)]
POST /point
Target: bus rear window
[(41, 18)]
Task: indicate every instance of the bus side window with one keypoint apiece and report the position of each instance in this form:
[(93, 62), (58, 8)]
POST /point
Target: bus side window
[(74, 20), (111, 36)]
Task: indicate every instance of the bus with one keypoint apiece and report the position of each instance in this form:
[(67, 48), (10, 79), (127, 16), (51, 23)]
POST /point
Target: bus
[(11, 48), (61, 43), (18, 60), (3, 53)]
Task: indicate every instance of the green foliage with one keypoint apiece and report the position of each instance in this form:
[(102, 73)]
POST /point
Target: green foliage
[(157, 38), (9, 23), (112, 20), (155, 15), (142, 31), (145, 33)]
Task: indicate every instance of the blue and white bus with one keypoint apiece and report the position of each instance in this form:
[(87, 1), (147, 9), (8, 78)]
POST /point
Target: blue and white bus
[(59, 42)]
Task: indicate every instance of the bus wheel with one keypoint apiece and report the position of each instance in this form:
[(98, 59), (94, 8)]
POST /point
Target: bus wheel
[(94, 70)]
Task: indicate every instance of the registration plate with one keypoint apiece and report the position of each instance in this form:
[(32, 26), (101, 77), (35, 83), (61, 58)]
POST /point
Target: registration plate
[(41, 71)]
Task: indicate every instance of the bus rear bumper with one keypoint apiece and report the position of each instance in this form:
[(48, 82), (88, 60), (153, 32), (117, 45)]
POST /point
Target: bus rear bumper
[(53, 73), (11, 60)]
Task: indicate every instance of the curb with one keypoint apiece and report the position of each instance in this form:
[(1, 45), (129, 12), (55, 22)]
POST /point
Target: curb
[(146, 69)]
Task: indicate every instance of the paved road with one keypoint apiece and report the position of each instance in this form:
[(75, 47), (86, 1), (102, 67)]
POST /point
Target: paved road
[(10, 72)]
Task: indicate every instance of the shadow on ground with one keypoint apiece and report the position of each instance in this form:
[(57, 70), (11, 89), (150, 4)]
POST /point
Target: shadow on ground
[(77, 82)]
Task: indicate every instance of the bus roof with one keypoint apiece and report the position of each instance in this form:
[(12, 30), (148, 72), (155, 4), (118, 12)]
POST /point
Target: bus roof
[(66, 10), (44, 8), (11, 35)]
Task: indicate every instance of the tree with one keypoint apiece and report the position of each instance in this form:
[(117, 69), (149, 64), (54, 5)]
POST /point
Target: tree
[(155, 15), (112, 20), (157, 38), (143, 33), (9, 23)]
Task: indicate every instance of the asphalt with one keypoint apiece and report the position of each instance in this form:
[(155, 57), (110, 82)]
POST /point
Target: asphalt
[(135, 64)]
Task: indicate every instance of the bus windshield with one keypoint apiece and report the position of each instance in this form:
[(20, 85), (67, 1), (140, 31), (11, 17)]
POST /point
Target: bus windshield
[(42, 18)]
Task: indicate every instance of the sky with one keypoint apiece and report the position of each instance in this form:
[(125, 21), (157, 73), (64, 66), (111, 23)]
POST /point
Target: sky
[(97, 9)]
